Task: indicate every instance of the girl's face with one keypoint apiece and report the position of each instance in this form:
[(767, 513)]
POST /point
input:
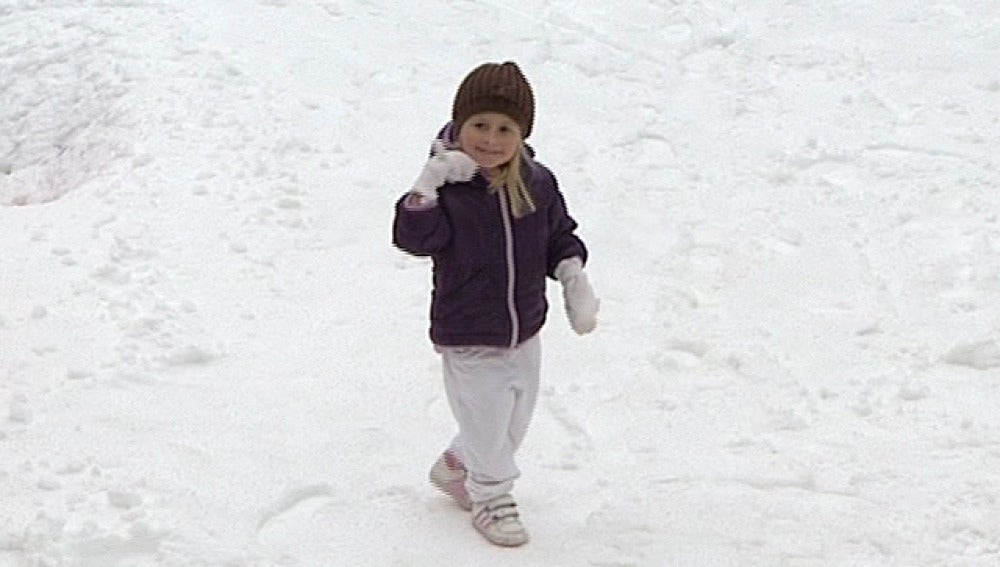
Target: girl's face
[(490, 138)]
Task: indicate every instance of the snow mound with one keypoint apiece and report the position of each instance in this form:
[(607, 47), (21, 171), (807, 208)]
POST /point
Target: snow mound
[(983, 355), (62, 128)]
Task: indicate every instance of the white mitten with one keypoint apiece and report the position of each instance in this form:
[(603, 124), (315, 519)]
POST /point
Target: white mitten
[(444, 166), (578, 296)]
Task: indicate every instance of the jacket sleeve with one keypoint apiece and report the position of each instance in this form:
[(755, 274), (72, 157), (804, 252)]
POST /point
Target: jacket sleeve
[(563, 241), (420, 231)]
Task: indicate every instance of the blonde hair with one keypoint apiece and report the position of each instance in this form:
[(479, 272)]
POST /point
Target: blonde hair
[(509, 177)]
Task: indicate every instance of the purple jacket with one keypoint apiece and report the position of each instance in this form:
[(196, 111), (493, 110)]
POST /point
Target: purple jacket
[(489, 268)]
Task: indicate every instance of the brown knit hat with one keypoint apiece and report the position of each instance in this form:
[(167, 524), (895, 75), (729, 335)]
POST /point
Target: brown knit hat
[(495, 87)]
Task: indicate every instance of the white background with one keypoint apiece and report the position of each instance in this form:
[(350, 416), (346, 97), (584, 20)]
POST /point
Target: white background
[(211, 354)]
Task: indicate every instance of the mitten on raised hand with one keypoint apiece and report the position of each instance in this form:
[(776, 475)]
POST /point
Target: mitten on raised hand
[(444, 166), (578, 297)]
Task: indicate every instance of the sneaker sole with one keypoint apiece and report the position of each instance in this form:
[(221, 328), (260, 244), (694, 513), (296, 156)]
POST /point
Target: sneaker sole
[(518, 542)]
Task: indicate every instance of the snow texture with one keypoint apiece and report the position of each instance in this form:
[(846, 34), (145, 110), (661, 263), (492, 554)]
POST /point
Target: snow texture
[(211, 355)]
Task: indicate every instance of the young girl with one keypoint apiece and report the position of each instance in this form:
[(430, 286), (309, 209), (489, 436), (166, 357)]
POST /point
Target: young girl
[(495, 224)]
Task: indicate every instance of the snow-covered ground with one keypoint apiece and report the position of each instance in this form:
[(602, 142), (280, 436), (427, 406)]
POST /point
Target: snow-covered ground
[(211, 355)]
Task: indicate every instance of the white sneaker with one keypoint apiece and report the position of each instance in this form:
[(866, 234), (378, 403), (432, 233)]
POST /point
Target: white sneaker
[(448, 475), (497, 519)]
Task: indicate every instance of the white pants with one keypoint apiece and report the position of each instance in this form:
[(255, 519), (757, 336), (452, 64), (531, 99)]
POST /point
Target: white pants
[(492, 392)]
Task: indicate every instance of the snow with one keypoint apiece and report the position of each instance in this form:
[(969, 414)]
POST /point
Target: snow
[(210, 353)]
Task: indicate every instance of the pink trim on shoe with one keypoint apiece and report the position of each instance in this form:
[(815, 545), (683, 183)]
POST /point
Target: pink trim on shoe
[(448, 475)]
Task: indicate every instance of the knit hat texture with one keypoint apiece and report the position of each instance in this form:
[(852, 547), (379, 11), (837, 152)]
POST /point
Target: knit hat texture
[(495, 87)]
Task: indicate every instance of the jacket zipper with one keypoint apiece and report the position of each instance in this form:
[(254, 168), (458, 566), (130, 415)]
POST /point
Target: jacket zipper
[(511, 272)]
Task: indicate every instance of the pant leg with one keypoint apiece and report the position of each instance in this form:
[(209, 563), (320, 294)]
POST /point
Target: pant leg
[(527, 361), (492, 393)]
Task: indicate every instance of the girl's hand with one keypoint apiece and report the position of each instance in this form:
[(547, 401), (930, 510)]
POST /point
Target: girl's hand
[(444, 166), (578, 297)]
